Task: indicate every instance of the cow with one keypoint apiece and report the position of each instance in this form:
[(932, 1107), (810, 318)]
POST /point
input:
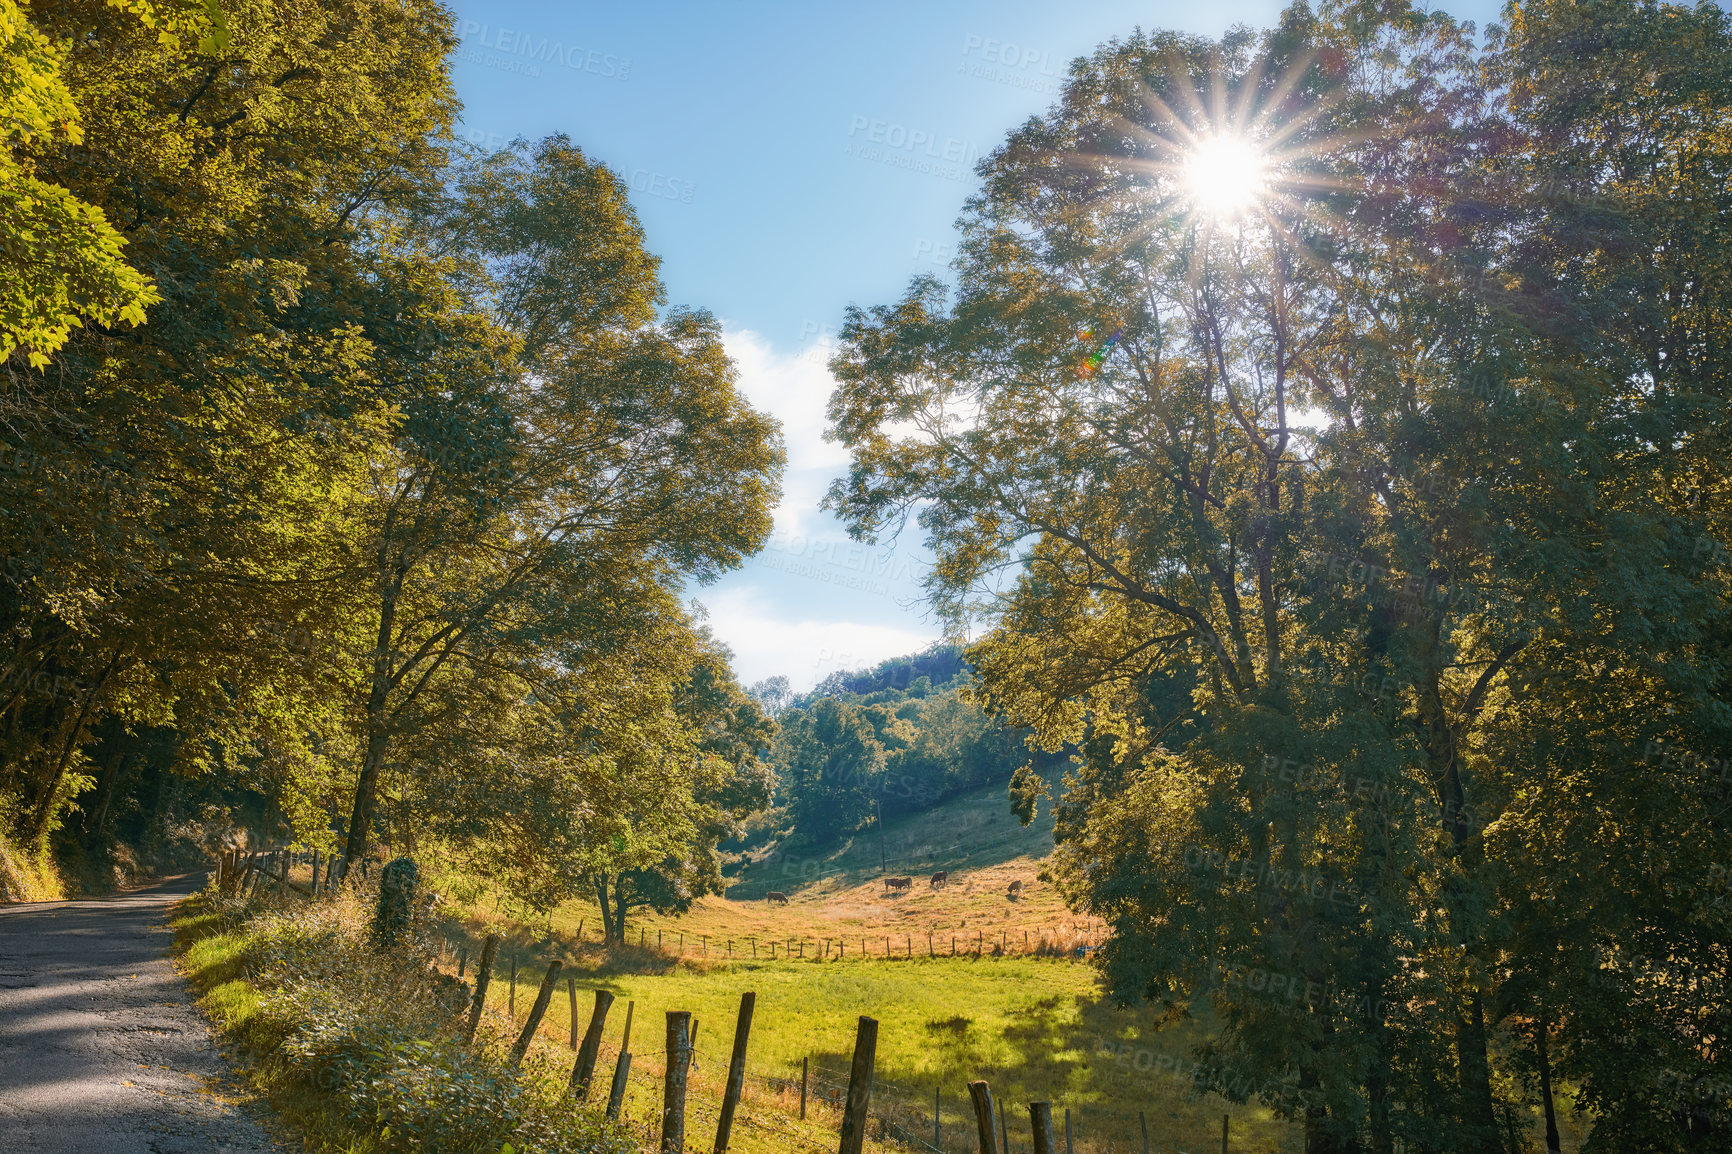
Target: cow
[(1015, 890), (777, 896), (898, 883), (939, 878)]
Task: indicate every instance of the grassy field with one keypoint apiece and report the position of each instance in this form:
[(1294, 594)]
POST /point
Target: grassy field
[(1035, 1027), (836, 897)]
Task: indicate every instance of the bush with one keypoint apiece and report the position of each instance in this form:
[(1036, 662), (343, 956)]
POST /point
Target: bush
[(374, 1037), (396, 908)]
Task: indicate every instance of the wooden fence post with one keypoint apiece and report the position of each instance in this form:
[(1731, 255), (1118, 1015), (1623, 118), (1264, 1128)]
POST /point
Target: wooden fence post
[(981, 1095), (937, 1114), (805, 1070), (483, 975), (1040, 1119), (571, 998), (859, 1087), (462, 961), (511, 998), (736, 1072), (1067, 1146), (674, 1086), (542, 997), (583, 1070), (1144, 1123), (621, 1069), (1223, 1134)]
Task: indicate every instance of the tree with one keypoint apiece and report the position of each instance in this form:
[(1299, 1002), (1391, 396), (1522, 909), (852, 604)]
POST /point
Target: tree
[(61, 262), (175, 491), (831, 767), (730, 782), (537, 498), (1308, 671)]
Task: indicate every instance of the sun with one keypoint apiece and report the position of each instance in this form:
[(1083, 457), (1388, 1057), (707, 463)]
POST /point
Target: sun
[(1225, 176)]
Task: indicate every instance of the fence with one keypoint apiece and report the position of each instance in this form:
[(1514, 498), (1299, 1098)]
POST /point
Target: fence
[(808, 1107), (816, 1109), (1075, 939), (809, 871)]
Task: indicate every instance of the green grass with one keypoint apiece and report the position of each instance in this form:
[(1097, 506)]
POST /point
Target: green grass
[(1036, 1029), (212, 952), (969, 831)]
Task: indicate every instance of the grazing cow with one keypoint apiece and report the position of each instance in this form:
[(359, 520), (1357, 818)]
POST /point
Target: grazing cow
[(777, 896), (939, 878), (1015, 890), (898, 883)]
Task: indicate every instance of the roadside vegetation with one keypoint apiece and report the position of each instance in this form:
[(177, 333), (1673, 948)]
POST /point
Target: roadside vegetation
[(362, 1049)]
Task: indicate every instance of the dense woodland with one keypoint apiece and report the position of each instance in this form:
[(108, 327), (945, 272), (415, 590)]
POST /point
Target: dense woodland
[(1370, 545), (1364, 553), (352, 477), (878, 744)]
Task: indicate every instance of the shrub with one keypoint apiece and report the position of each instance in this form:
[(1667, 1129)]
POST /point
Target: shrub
[(373, 1036), (396, 908)]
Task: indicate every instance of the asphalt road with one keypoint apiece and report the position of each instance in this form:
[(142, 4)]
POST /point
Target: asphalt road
[(101, 1049)]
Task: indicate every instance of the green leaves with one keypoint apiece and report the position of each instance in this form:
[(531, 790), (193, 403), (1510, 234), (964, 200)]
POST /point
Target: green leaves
[(1310, 569)]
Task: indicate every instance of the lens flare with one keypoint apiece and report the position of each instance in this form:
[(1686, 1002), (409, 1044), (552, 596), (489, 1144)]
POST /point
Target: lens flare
[(1225, 176)]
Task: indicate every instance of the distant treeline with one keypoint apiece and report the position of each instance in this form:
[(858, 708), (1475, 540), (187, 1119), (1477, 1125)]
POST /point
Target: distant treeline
[(902, 736)]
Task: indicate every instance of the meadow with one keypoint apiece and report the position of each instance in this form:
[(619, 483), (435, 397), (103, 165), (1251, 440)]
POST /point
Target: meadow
[(1036, 1026)]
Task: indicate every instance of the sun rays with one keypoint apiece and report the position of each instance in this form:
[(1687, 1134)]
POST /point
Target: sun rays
[(1246, 153), (1224, 176)]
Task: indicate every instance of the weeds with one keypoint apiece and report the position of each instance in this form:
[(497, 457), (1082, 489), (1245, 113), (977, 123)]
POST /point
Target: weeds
[(360, 1046)]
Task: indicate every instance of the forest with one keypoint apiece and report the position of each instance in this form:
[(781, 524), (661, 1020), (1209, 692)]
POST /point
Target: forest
[(1362, 527), (885, 742), (353, 477)]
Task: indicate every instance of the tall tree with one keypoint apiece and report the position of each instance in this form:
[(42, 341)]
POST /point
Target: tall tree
[(173, 489), (536, 498)]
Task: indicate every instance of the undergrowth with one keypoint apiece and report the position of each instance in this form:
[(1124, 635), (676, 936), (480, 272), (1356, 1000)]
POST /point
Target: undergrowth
[(362, 1049)]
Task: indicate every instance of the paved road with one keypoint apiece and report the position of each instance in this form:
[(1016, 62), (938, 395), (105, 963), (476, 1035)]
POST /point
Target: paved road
[(101, 1049)]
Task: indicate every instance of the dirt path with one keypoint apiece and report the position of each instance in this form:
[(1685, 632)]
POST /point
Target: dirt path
[(101, 1049)]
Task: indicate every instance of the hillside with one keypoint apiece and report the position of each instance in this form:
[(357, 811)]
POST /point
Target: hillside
[(836, 893), (971, 831)]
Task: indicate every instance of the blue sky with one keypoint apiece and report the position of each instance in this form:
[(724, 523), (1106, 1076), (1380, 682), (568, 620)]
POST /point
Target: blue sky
[(787, 160)]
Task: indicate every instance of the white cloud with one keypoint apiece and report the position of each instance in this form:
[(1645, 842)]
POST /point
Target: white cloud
[(793, 388), (766, 640)]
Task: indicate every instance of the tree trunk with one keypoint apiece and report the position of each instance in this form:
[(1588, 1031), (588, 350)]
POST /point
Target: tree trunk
[(1475, 1080), (619, 908), (378, 722), (1553, 1146), (1473, 1065), (366, 789), (44, 809), (97, 818), (607, 934)]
